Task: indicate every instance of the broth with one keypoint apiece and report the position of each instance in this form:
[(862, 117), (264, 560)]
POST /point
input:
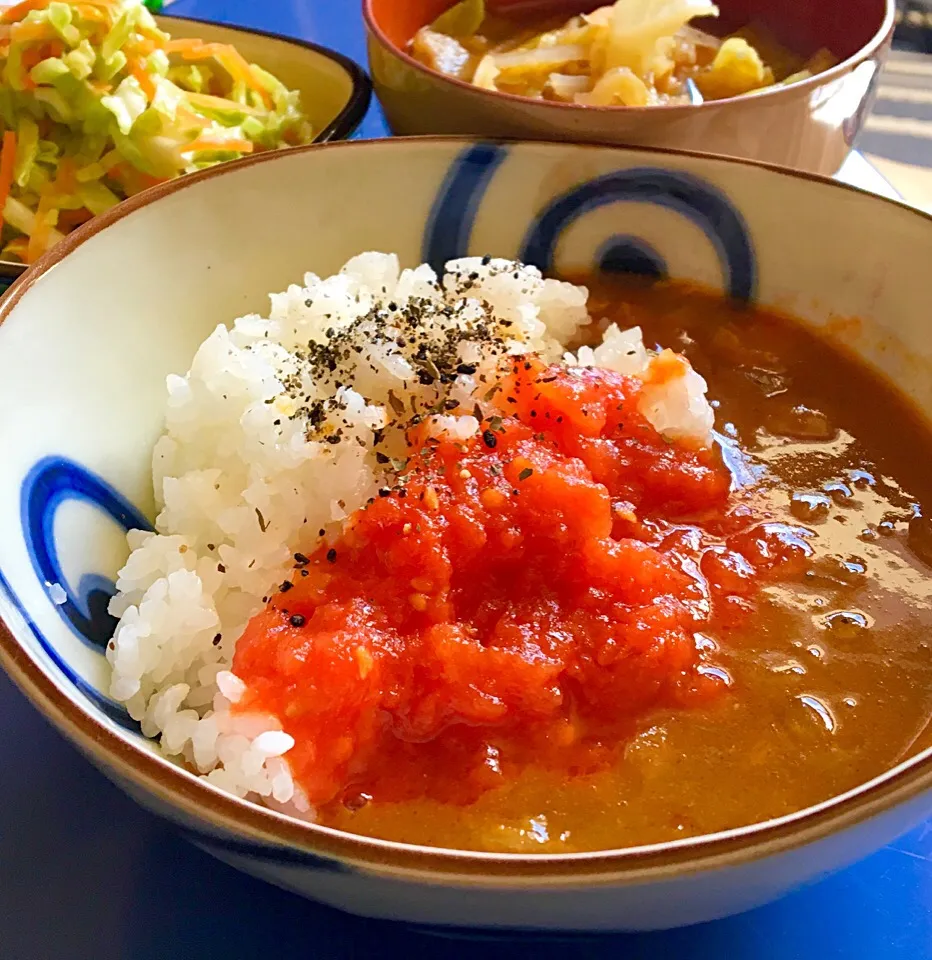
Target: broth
[(610, 56)]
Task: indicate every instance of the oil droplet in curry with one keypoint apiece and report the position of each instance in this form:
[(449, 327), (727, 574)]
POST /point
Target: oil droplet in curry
[(566, 635)]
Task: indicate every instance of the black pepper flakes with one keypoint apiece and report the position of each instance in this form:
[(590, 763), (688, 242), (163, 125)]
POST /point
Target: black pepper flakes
[(396, 404)]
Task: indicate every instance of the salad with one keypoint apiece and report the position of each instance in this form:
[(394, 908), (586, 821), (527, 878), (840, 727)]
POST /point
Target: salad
[(98, 103)]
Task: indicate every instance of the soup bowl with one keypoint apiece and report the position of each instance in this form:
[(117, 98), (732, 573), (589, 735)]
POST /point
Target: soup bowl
[(810, 125), (89, 335), (335, 91)]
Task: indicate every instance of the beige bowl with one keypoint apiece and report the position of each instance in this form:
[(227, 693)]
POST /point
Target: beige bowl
[(810, 125)]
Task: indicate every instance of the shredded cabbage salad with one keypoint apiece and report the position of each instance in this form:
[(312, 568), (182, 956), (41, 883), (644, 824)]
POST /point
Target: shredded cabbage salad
[(98, 103)]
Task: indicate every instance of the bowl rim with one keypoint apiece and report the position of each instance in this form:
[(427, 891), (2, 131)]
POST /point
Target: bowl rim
[(673, 111), (341, 127), (273, 833)]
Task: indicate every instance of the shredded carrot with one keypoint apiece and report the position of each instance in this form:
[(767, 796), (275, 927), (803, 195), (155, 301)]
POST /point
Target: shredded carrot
[(66, 181), (182, 44), (189, 117), (7, 163), (17, 247), (210, 143), (232, 61), (138, 70), (19, 10), (31, 57), (147, 180), (87, 12), (37, 54), (230, 55), (132, 180), (141, 48), (39, 240), (204, 51)]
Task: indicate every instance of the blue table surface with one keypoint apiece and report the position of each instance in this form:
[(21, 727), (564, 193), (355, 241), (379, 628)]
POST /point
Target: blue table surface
[(84, 873)]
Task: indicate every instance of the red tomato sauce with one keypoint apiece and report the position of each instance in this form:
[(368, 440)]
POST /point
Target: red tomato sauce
[(519, 599)]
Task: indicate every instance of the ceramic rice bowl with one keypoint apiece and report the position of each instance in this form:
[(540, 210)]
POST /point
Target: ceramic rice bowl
[(88, 337)]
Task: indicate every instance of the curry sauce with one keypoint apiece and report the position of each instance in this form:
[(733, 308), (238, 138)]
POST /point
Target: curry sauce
[(808, 667)]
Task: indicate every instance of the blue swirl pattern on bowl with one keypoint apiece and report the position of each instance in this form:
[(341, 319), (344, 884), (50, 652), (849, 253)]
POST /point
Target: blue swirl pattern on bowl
[(454, 213), (50, 483)]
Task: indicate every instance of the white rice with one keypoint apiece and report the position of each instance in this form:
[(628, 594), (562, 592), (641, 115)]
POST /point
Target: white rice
[(243, 483)]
